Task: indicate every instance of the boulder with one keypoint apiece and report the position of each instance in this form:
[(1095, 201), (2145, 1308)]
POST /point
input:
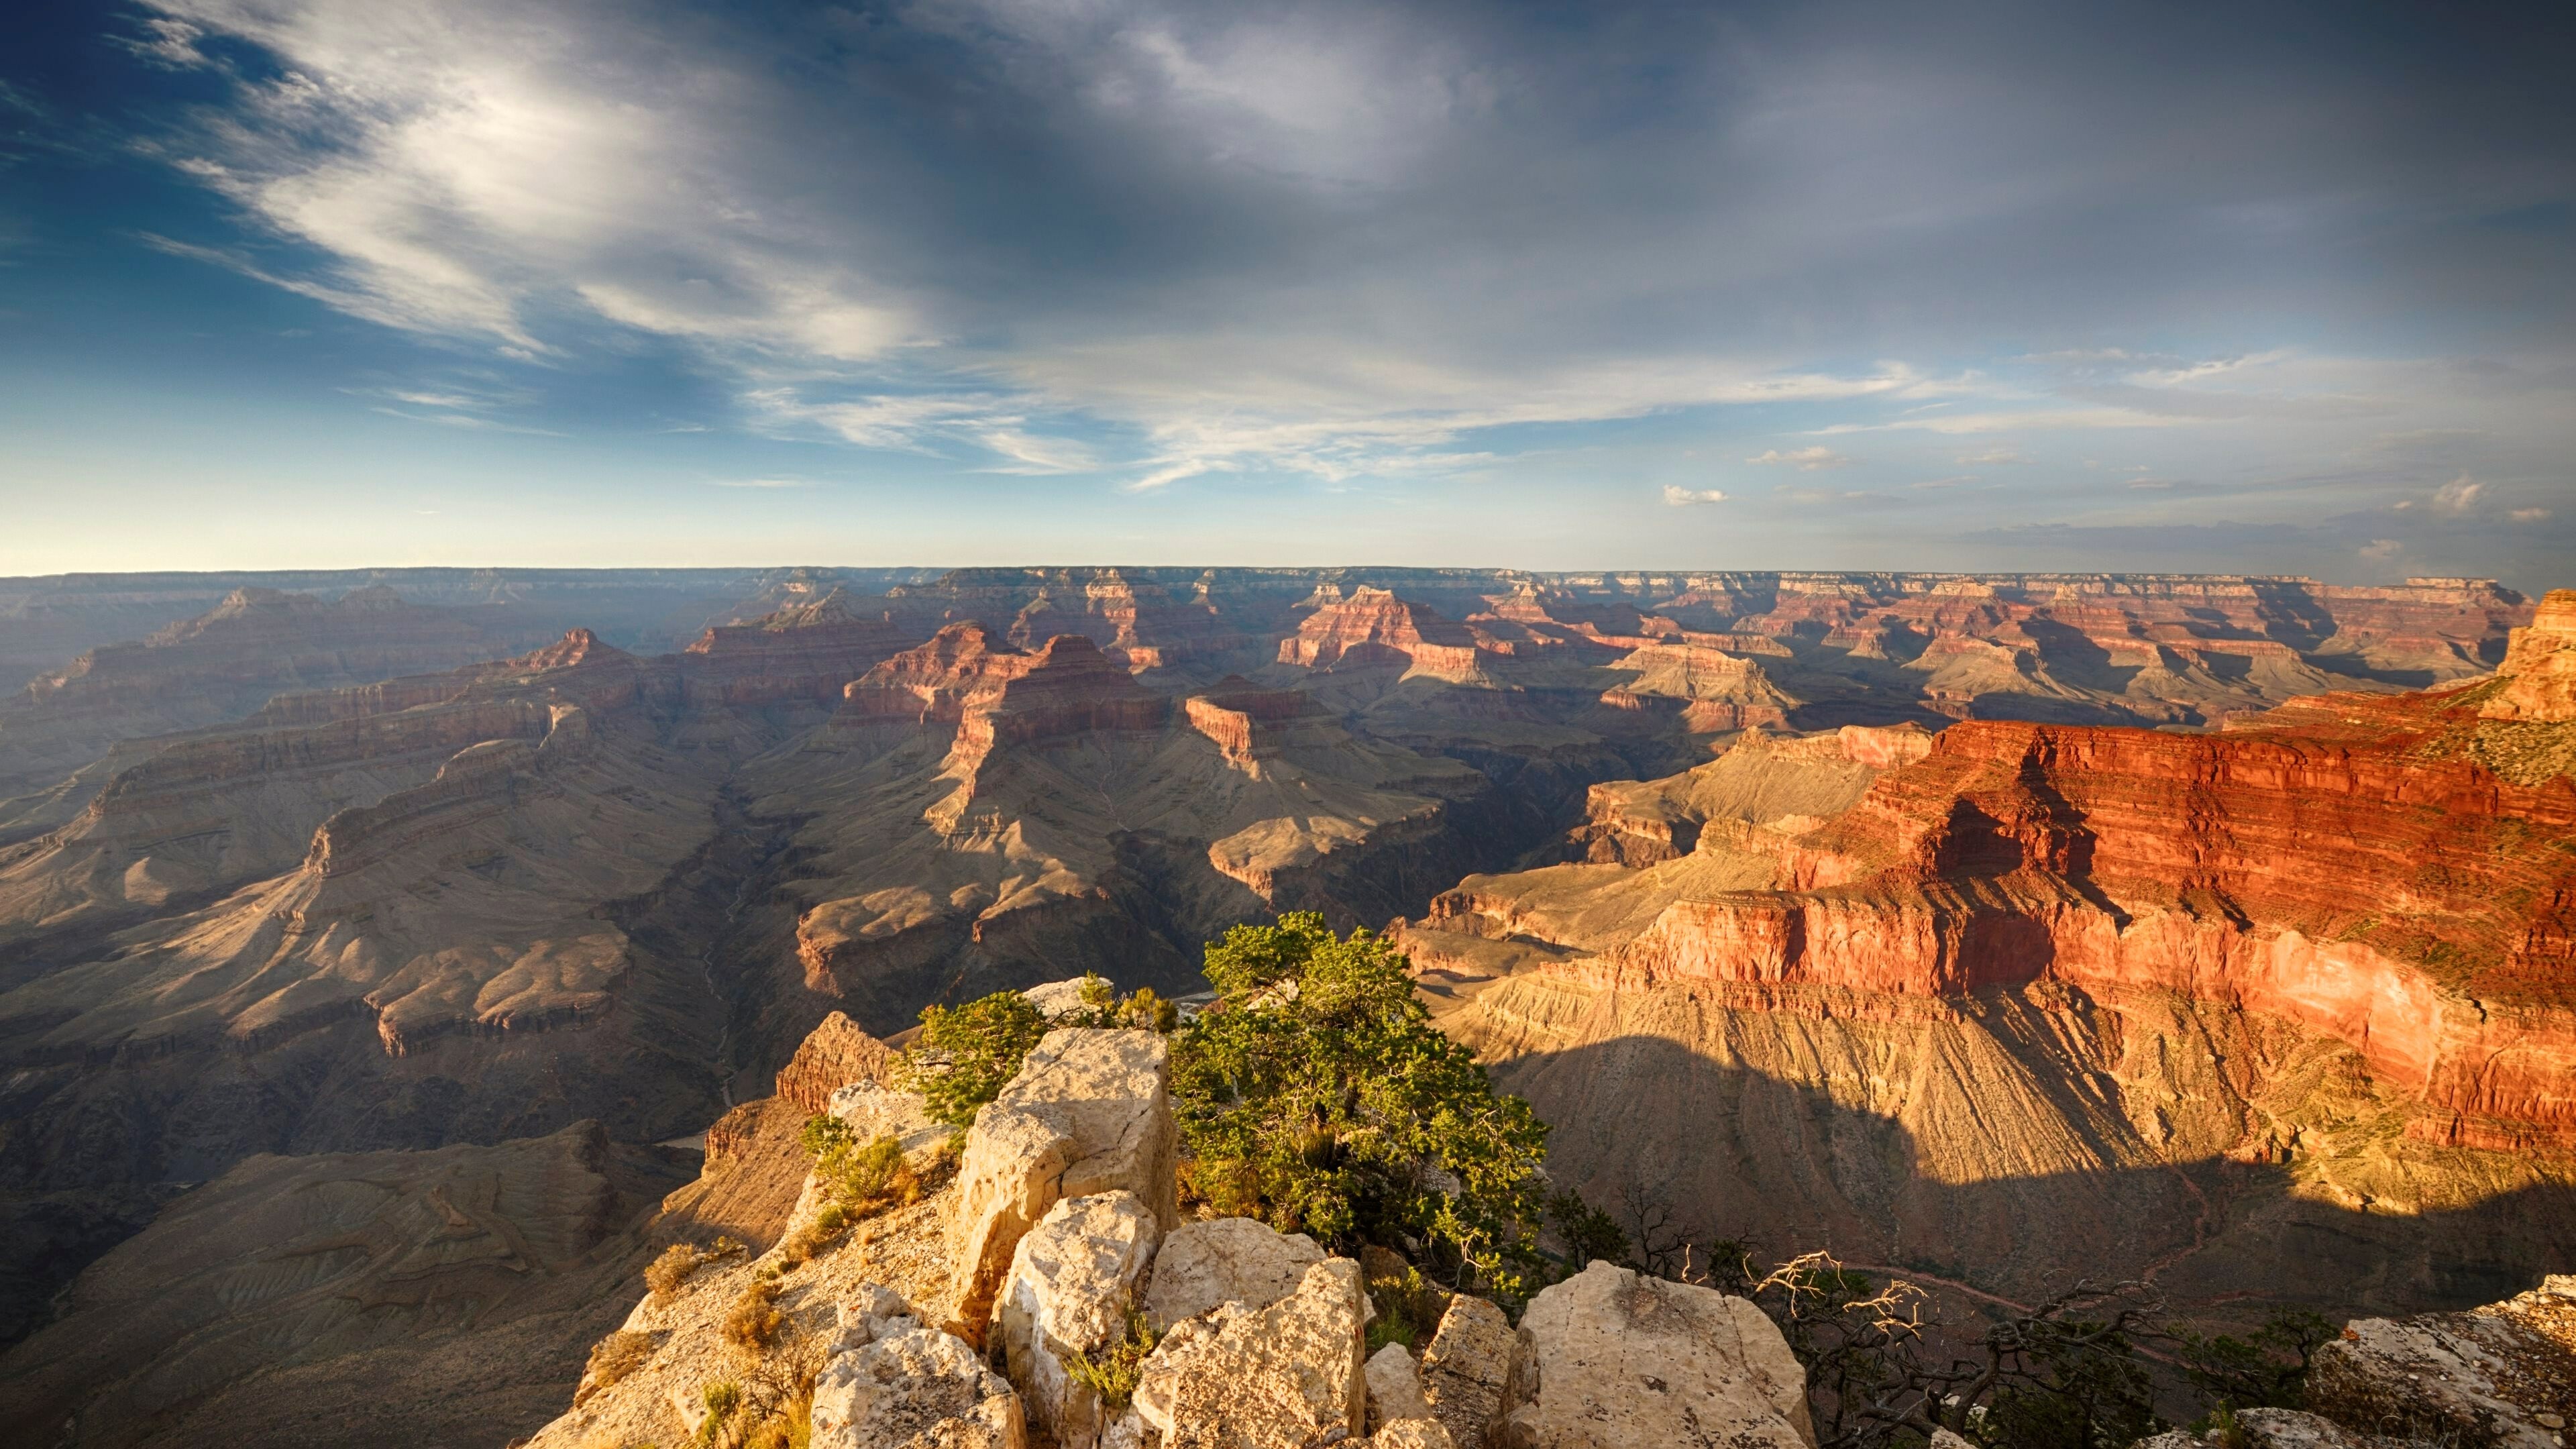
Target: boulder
[(2256, 1429), (1072, 1281), (1227, 1260), (921, 1389), (2500, 1377), (1089, 1112), (1467, 1370), (1394, 1387), (1056, 998), (1286, 1374), (1612, 1359), (872, 1312)]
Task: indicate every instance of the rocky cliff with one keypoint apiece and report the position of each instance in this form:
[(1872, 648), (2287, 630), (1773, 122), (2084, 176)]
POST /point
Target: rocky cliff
[(2142, 998), (962, 1319)]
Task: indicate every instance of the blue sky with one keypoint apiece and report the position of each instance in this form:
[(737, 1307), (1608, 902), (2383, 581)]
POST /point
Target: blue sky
[(339, 282)]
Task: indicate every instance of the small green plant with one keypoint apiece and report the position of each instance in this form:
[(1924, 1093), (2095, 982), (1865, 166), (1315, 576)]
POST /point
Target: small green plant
[(2230, 1429), (863, 1178), (808, 1241), (1113, 1375), (1408, 1306), (722, 1398)]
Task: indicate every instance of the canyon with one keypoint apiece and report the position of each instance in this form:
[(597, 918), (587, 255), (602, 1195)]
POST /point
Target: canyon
[(2215, 929)]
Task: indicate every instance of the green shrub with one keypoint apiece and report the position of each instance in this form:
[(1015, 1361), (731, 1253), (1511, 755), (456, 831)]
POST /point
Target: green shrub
[(722, 1398), (1408, 1306), (808, 1241), (863, 1178), (1587, 1231), (1113, 1375), (2266, 1369), (967, 1054), (1337, 1109)]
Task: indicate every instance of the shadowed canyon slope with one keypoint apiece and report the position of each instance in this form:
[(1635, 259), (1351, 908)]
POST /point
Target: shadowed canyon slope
[(2236, 1009), (495, 870)]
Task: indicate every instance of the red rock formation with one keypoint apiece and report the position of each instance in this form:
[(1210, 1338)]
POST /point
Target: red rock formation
[(2383, 887), (1241, 717), (832, 1056), (1714, 691), (2540, 666), (1373, 626), (807, 652)]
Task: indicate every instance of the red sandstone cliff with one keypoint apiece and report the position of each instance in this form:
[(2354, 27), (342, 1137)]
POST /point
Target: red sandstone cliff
[(2369, 875)]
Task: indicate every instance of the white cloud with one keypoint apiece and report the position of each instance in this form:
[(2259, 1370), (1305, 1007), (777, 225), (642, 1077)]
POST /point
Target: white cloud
[(2200, 371), (168, 43), (1031, 454), (2529, 515), (1679, 497), (2459, 495), (472, 169), (1805, 460), (1991, 457), (2381, 549), (763, 482)]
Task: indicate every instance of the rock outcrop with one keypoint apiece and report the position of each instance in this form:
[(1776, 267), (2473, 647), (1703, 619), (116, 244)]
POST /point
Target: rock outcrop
[(1089, 1113), (923, 1389), (1289, 1373), (2501, 1377), (1204, 1265), (833, 1055), (1072, 1284), (1612, 1359), (1467, 1371), (2024, 907), (2540, 666)]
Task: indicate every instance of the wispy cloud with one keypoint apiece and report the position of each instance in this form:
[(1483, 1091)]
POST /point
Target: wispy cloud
[(1679, 497), (1805, 460), (762, 482), (2459, 495)]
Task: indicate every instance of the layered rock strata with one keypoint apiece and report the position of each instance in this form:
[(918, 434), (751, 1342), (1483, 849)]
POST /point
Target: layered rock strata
[(2082, 980)]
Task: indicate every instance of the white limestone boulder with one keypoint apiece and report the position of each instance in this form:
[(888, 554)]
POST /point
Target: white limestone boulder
[(1394, 1387), (1227, 1260), (1611, 1359), (1467, 1368), (1286, 1374), (922, 1389), (1072, 1280)]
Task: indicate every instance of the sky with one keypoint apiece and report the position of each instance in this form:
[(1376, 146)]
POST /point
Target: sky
[(2172, 287)]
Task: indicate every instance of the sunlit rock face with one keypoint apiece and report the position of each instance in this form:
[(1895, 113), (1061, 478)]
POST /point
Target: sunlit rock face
[(2047, 990)]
